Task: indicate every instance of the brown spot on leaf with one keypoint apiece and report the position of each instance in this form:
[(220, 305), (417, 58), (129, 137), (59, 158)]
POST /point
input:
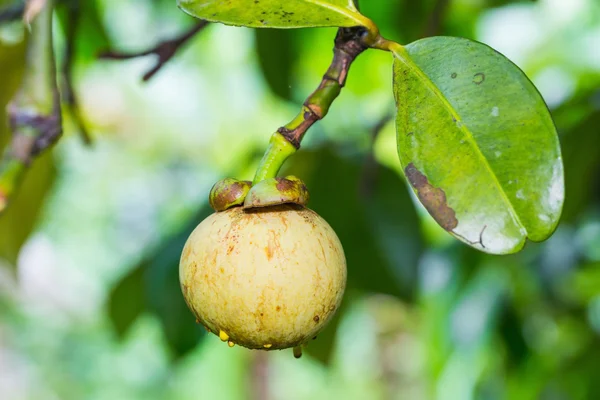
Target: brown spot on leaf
[(478, 78), (454, 75), (434, 199)]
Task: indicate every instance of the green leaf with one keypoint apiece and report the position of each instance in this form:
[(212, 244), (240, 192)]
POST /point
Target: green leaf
[(276, 13), (84, 20), (127, 300), (477, 143), (20, 218)]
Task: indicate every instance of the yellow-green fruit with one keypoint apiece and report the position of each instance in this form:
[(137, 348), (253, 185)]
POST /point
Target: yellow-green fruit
[(264, 279)]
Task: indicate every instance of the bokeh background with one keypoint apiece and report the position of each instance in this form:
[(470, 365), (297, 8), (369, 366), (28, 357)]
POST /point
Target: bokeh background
[(90, 306)]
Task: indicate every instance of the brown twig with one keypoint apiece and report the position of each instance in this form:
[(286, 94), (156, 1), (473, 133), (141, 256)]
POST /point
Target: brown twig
[(348, 45), (69, 96), (164, 50), (434, 24)]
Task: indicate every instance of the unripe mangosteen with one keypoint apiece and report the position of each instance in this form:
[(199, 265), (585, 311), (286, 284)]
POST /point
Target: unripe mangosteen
[(266, 278)]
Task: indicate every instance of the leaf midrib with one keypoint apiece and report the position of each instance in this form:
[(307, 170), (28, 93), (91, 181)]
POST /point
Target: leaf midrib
[(469, 136)]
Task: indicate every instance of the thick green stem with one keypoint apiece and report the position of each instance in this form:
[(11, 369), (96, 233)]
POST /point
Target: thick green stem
[(278, 151), (34, 112)]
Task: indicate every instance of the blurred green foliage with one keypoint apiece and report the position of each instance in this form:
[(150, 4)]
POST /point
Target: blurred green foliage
[(93, 309)]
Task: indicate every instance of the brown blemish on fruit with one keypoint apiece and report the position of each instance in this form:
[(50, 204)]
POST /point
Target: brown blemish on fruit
[(269, 251), (278, 308), (316, 318), (434, 199)]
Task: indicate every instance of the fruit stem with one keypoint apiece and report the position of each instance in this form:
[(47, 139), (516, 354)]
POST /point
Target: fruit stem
[(386, 45), (34, 112), (278, 151), (349, 43)]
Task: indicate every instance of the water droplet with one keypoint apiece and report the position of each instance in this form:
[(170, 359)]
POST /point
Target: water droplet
[(267, 346), (495, 112), (230, 343), (223, 336), (297, 352)]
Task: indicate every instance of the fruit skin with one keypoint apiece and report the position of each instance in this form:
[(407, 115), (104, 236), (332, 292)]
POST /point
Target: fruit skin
[(266, 278)]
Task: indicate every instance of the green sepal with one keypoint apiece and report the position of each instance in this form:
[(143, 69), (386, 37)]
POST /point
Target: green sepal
[(275, 191), (228, 193)]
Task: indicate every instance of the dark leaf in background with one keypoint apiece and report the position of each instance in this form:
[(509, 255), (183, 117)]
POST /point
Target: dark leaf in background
[(276, 52), (400, 20), (91, 35), (517, 349), (153, 287), (127, 300), (379, 230), (333, 182), (581, 155)]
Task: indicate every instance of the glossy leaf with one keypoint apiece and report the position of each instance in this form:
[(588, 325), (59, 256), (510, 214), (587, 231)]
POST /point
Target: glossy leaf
[(276, 13), (477, 143)]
